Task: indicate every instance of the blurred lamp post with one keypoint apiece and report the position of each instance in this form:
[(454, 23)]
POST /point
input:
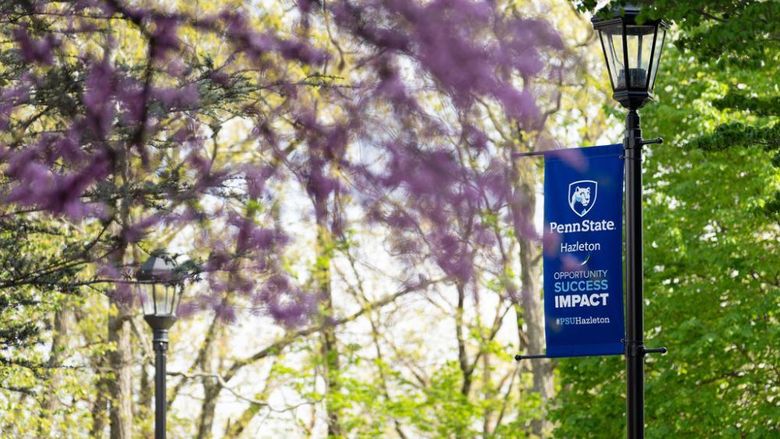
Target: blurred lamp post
[(633, 52), (160, 285)]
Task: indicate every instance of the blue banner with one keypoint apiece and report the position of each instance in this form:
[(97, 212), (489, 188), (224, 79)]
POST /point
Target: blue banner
[(583, 274)]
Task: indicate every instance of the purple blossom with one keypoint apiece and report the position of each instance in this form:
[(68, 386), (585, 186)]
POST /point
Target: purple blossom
[(256, 178), (131, 101), (447, 38), (68, 146), (220, 78), (570, 263), (187, 308), (521, 44), (475, 137), (306, 6), (173, 97), (10, 98), (519, 105), (256, 238), (108, 271), (392, 87), (400, 220), (225, 312), (484, 237), (257, 44), (37, 185), (300, 51), (350, 16), (452, 256), (572, 157), (538, 32), (123, 294), (99, 88), (432, 173), (320, 185), (412, 179), (35, 51), (494, 183), (285, 303), (136, 231), (164, 37), (550, 242), (200, 163)]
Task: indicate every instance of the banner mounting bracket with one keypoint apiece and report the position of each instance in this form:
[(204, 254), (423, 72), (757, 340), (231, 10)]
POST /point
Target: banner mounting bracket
[(519, 357)]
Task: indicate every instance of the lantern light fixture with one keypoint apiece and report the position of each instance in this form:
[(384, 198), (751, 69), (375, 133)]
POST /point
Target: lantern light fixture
[(633, 51)]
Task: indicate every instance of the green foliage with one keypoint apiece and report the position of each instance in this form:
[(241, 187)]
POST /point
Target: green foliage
[(712, 261), (43, 384), (744, 33), (590, 403), (438, 409), (31, 269)]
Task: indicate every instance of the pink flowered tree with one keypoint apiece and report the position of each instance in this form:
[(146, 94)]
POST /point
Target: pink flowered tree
[(132, 146)]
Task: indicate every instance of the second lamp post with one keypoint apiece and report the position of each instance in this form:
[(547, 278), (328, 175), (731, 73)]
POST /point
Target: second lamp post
[(161, 286)]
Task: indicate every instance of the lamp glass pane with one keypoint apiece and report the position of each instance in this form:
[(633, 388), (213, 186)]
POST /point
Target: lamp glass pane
[(606, 56), (639, 40), (165, 304), (146, 294), (173, 292), (615, 57), (659, 47), (178, 290), (159, 299)]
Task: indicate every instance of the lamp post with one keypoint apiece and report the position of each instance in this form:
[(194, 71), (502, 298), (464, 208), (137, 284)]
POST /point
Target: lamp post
[(160, 285), (633, 52)]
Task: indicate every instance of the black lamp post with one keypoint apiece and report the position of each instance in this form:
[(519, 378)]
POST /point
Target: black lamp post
[(633, 52), (160, 285)]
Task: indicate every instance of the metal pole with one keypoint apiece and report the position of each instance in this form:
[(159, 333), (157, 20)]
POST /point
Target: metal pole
[(635, 351), (160, 349)]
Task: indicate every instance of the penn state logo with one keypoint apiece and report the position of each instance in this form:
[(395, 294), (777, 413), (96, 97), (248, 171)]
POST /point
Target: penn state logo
[(582, 196)]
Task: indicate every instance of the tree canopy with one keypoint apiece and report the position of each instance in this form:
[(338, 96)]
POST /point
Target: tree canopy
[(711, 237)]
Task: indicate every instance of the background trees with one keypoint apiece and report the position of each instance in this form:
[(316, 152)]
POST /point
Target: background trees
[(341, 175), (226, 132)]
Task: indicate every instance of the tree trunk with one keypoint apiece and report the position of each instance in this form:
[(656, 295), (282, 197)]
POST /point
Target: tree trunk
[(533, 315), (463, 360), (489, 394), (211, 389), (330, 352), (120, 387), (99, 410), (209, 363), (145, 406), (235, 429), (59, 345), (531, 297), (101, 404)]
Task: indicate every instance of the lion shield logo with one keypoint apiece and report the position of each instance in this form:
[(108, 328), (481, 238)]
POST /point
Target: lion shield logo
[(582, 196)]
